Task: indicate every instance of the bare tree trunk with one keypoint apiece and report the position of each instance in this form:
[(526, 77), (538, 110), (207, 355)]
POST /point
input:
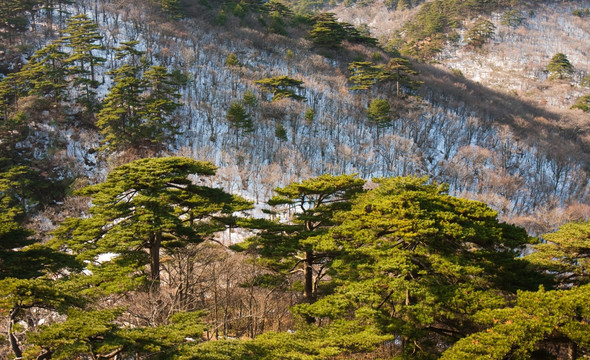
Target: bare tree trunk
[(13, 340)]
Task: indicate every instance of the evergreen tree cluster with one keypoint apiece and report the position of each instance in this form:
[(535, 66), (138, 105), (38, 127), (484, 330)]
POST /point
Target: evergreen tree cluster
[(137, 111), (396, 267), (437, 23), (391, 268)]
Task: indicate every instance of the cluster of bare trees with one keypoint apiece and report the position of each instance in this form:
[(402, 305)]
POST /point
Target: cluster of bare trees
[(504, 153)]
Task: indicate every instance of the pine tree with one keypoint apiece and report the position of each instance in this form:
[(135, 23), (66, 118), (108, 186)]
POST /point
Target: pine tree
[(379, 113), (14, 17), (401, 71), (327, 31), (281, 132), (172, 8), (239, 118), (559, 67), (46, 72), (417, 264), (281, 87), (583, 103), (84, 39), (98, 334), (159, 127), (32, 275), (481, 32), (120, 118), (232, 60), (293, 247), (543, 323), (364, 74), (143, 209)]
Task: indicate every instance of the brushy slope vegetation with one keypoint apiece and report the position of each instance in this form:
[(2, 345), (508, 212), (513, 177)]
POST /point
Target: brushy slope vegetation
[(394, 267), (490, 145)]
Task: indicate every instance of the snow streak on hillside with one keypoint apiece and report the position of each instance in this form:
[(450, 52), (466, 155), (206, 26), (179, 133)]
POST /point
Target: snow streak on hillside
[(517, 56), (440, 137)]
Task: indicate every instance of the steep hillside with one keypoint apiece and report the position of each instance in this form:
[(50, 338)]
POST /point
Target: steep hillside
[(199, 179), (488, 143)]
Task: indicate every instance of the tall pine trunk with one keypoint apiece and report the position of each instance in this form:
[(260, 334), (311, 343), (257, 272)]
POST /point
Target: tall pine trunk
[(155, 244)]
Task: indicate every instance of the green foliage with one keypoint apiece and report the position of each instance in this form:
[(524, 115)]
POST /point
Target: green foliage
[(232, 60), (120, 118), (276, 24), (137, 111), (566, 254), (316, 343), (148, 204), (559, 67), (402, 73), (221, 18), (239, 11), (281, 132), (44, 75), (582, 12), (436, 22), (313, 202), (327, 31), (224, 350), (512, 18), (309, 115), (275, 6), (250, 99), (14, 17), (97, 334), (238, 117), (481, 32), (541, 317), (161, 101), (281, 87), (47, 73), (364, 74), (583, 103), (172, 8), (83, 37), (414, 260), (537, 318), (379, 112)]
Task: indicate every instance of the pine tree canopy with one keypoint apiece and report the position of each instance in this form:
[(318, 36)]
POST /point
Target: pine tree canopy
[(148, 204)]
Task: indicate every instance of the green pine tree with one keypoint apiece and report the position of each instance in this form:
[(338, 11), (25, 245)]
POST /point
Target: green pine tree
[(239, 119), (327, 31), (294, 247), (583, 103), (364, 74), (46, 73), (84, 40), (120, 118), (379, 113), (541, 324), (281, 87), (402, 72), (418, 264), (162, 99), (480, 33), (143, 209), (559, 67)]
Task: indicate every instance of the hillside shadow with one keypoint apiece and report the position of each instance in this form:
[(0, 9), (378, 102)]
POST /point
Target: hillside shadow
[(560, 136)]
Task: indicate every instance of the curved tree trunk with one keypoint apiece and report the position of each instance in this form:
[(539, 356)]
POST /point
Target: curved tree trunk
[(14, 346)]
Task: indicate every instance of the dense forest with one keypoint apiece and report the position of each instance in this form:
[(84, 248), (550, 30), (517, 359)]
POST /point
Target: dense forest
[(200, 179)]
